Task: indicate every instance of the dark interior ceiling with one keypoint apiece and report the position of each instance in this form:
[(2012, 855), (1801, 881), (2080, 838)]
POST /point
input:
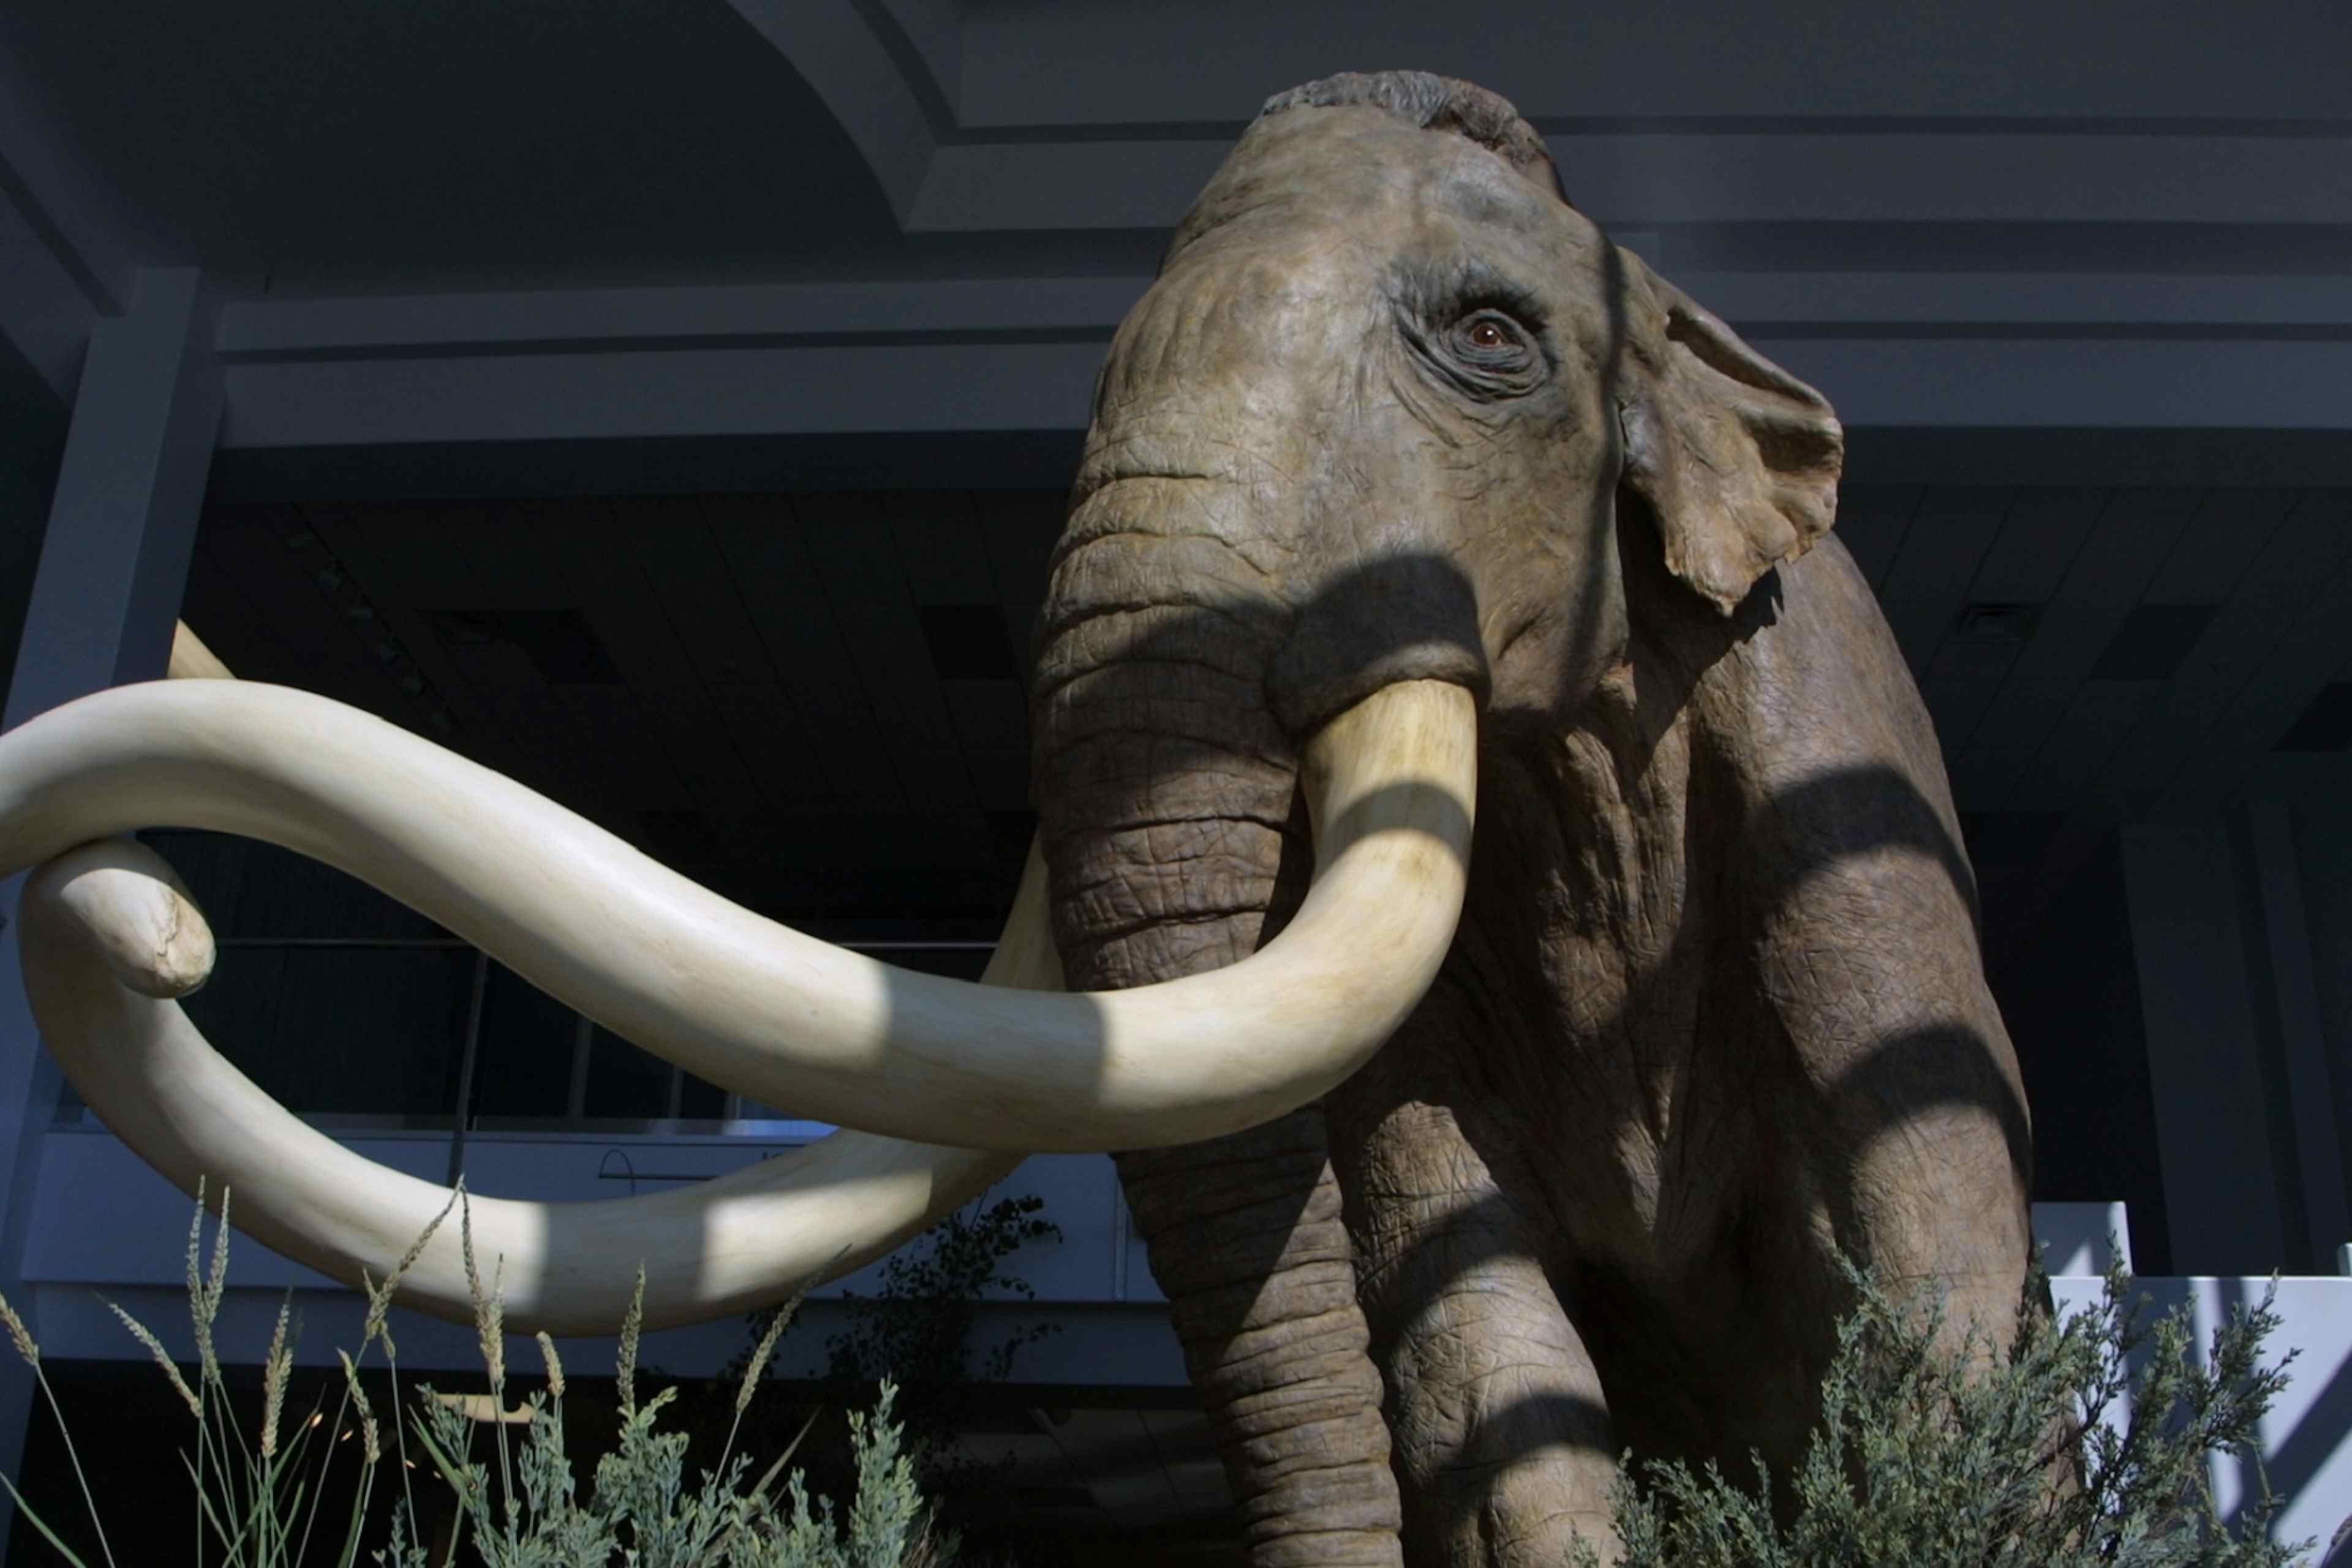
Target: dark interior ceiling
[(313, 148), (813, 702), (312, 140)]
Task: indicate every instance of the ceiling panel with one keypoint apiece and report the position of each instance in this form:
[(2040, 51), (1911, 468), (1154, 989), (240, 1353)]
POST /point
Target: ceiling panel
[(1872, 520), (1929, 580), (2296, 581), (2223, 537), (445, 556), (2014, 729), (2100, 713), (1956, 703), (990, 715), (791, 768), (2136, 531), (682, 567), (2039, 539), (858, 565), (761, 543), (940, 547), (2309, 640), (2068, 639)]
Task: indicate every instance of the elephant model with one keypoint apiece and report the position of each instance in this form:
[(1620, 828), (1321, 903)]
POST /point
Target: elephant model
[(1501, 891)]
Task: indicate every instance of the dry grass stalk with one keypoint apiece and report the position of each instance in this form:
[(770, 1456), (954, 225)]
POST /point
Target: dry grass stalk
[(367, 1412), (196, 1245), (22, 1335), (490, 1306), (274, 1370), (204, 1293), (766, 1348), (145, 1336), (380, 1295), (554, 1366)]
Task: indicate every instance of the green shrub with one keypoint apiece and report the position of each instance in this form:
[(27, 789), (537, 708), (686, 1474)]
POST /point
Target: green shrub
[(922, 1330), (2088, 1442), (918, 1327)]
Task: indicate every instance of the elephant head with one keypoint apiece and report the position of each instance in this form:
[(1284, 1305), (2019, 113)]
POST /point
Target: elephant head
[(1371, 425), (1409, 502)]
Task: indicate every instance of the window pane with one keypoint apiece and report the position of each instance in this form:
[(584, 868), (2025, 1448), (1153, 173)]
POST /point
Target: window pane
[(701, 1101), (524, 1066), (351, 1030), (625, 1081)]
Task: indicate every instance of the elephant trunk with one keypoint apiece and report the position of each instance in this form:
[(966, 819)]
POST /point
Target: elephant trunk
[(1245, 1237), (1168, 817)]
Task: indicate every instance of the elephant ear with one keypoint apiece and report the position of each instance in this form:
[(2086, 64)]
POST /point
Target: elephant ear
[(1737, 459)]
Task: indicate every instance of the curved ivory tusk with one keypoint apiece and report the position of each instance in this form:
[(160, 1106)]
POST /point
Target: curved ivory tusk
[(761, 1009), (107, 928)]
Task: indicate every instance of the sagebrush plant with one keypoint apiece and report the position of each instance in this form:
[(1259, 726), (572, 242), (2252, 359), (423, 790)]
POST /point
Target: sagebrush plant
[(251, 1496), (918, 1327), (916, 1332), (641, 1508), (2088, 1441)]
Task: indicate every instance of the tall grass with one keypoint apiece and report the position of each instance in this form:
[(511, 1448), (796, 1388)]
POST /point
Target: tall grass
[(256, 1498)]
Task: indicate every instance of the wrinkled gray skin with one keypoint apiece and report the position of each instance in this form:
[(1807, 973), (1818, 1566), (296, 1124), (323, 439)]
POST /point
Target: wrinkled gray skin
[(1715, 1010)]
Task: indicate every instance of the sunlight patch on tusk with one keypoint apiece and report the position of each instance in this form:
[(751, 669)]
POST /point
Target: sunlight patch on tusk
[(92, 918), (761, 1009)]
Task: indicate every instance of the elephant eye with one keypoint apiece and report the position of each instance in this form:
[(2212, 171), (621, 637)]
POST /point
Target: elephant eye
[(1491, 337), (1491, 353)]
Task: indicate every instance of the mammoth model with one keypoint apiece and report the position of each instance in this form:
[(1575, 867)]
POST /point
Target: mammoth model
[(1466, 1157)]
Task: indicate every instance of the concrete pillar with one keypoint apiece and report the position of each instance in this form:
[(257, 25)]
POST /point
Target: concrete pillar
[(2204, 1050), (113, 565), (2287, 998)]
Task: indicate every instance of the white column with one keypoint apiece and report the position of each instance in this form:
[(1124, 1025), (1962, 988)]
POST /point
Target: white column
[(2204, 1064), (113, 565)]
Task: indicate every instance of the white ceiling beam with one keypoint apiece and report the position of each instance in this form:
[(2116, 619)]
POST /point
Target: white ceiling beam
[(934, 31), (1082, 63), (2109, 384), (1755, 301), (876, 86), (660, 393), (1020, 385), (1650, 178), (719, 315)]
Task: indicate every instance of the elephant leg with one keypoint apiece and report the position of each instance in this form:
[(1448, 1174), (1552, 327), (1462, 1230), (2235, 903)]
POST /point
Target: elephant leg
[(1922, 1190), (1502, 1440)]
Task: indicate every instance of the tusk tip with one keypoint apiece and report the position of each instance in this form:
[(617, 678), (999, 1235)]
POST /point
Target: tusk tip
[(137, 913)]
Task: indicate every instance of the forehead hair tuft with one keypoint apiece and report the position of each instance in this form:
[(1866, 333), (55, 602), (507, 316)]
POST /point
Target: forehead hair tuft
[(1434, 103)]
